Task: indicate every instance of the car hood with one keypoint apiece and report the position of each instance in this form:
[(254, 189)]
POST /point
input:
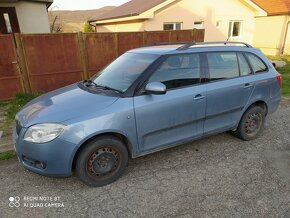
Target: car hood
[(61, 105)]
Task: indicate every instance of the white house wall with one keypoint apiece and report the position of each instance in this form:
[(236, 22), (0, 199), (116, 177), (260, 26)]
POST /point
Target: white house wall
[(209, 11), (32, 16), (188, 11), (270, 32)]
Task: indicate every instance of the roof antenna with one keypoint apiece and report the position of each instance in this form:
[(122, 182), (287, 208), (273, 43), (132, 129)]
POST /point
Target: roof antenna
[(227, 40)]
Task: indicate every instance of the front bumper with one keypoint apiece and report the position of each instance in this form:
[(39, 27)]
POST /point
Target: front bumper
[(54, 158)]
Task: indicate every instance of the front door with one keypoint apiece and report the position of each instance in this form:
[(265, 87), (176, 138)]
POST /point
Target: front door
[(178, 115), (8, 20)]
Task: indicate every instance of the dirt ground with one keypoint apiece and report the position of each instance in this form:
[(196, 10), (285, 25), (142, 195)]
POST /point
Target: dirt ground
[(5, 130)]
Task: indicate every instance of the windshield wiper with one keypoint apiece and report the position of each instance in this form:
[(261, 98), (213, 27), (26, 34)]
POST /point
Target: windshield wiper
[(109, 88), (92, 83), (89, 82)]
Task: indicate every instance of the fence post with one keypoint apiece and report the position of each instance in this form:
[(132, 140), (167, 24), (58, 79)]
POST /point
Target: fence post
[(144, 38), (116, 44), (198, 35), (82, 52), (22, 63), (169, 36), (193, 35)]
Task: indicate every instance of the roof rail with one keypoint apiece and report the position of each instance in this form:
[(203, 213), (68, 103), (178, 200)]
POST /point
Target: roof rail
[(188, 45), (168, 43)]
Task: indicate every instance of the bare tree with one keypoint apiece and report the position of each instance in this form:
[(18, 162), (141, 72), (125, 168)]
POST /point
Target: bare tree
[(56, 25)]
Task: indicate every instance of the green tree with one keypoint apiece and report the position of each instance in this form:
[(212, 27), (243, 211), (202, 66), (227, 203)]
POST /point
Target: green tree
[(88, 28)]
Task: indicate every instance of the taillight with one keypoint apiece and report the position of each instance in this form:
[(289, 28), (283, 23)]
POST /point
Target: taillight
[(279, 78)]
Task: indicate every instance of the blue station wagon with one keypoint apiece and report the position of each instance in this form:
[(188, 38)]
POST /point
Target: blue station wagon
[(148, 99)]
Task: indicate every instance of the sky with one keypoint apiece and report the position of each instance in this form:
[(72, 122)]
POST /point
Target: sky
[(84, 4)]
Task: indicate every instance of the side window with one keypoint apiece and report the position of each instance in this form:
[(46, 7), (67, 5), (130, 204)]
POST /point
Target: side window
[(178, 71), (244, 66), (222, 65), (256, 63)]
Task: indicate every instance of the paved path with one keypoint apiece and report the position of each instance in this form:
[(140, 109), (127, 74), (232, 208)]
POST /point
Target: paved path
[(220, 176)]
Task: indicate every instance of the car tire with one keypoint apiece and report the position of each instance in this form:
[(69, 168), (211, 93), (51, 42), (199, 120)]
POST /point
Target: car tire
[(102, 161), (251, 124)]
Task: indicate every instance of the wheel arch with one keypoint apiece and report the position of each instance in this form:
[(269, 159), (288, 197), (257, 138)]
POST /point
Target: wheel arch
[(118, 135), (261, 104)]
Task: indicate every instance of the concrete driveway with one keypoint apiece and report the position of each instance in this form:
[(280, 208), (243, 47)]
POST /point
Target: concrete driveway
[(220, 176)]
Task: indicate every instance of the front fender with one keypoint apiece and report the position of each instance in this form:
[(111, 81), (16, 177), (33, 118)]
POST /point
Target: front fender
[(119, 118)]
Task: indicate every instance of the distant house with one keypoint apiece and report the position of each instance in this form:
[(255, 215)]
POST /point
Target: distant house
[(25, 16), (272, 33), (221, 19)]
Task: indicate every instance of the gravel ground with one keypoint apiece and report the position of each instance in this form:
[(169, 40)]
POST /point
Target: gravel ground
[(220, 176)]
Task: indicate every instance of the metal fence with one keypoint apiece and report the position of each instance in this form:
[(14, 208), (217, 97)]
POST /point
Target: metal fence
[(44, 62)]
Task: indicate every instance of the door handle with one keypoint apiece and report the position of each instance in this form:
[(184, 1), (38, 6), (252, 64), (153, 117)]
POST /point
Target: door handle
[(199, 97), (248, 85)]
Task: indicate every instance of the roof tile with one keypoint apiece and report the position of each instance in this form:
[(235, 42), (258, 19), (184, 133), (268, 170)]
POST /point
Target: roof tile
[(136, 7), (131, 8), (274, 7)]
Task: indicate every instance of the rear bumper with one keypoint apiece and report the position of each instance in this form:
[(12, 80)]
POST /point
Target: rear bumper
[(49, 159)]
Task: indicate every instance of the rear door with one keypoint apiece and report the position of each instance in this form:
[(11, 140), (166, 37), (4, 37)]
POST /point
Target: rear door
[(178, 115), (227, 90)]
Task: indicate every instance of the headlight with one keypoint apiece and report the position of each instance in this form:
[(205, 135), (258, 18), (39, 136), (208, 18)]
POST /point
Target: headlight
[(42, 133)]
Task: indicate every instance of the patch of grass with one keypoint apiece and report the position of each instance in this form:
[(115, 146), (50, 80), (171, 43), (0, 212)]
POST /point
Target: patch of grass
[(10, 109), (3, 103), (7, 155), (16, 104), (285, 72), (286, 79)]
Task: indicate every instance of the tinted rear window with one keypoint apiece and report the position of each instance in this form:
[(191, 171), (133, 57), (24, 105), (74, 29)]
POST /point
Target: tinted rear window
[(257, 64), (244, 66)]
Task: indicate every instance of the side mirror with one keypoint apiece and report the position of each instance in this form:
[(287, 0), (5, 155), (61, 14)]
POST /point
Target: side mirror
[(155, 88)]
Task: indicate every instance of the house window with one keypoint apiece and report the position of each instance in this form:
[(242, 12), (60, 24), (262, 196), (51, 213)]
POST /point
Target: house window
[(172, 26), (198, 25), (219, 24), (235, 29), (7, 23)]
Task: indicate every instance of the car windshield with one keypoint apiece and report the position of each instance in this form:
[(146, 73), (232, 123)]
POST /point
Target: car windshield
[(121, 73)]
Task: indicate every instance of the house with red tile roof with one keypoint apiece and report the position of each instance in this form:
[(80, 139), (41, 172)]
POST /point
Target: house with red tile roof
[(222, 19), (272, 32)]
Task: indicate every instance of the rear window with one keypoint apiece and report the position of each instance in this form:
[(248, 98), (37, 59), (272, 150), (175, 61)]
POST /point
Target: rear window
[(257, 64), (222, 65)]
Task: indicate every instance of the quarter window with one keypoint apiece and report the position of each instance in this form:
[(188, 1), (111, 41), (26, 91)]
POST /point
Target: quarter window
[(256, 63), (172, 26), (222, 65), (178, 71), (244, 66)]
